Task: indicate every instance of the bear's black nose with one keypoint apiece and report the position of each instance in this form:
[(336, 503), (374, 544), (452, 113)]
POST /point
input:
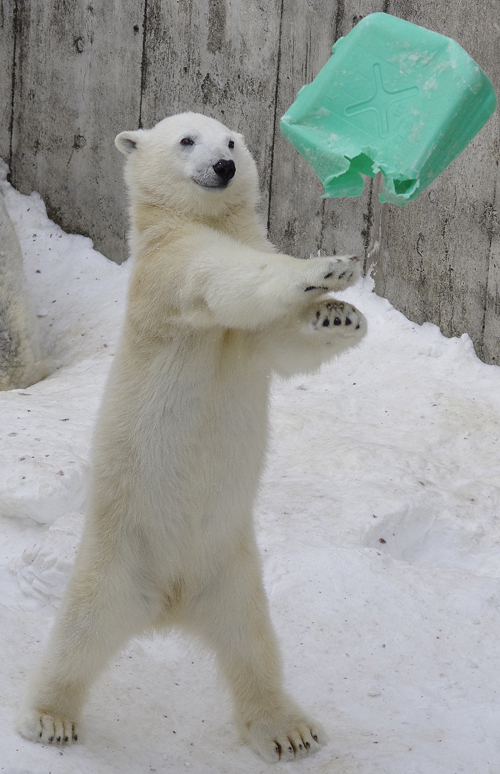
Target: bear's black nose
[(225, 170)]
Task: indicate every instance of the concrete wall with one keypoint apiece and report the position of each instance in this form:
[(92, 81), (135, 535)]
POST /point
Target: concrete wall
[(76, 72), (440, 255)]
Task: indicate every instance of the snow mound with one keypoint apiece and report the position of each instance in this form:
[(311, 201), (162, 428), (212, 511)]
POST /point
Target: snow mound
[(80, 297), (378, 521), (419, 536)]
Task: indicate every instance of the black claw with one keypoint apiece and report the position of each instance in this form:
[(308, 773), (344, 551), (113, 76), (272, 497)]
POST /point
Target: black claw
[(358, 327), (348, 321), (58, 739), (326, 322), (66, 738), (307, 744), (75, 737), (40, 734), (341, 276), (315, 737), (327, 276), (337, 321), (51, 738)]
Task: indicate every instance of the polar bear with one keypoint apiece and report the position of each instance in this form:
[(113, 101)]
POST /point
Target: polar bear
[(179, 448), (21, 362)]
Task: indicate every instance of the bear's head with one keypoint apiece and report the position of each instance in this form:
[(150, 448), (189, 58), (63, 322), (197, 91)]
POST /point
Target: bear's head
[(191, 164)]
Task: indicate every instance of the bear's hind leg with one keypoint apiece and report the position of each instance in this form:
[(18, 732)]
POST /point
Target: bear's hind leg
[(100, 612), (232, 616)]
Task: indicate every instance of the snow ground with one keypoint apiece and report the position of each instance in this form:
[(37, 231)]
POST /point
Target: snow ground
[(378, 521)]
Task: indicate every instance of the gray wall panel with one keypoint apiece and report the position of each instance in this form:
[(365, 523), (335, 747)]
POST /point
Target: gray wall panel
[(76, 73)]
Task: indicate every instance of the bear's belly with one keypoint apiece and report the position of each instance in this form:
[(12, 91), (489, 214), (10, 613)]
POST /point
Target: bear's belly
[(180, 450)]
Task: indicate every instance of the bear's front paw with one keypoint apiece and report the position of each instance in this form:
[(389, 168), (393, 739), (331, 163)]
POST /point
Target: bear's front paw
[(333, 273), (332, 318), (48, 729), (286, 738)]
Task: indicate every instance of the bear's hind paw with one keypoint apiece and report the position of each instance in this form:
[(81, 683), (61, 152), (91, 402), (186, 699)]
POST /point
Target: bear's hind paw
[(47, 729), (287, 741)]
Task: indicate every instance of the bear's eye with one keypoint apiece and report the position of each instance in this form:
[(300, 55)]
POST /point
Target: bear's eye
[(187, 141), (231, 143)]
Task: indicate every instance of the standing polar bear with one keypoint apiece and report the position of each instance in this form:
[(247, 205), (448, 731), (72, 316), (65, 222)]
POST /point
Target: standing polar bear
[(182, 432)]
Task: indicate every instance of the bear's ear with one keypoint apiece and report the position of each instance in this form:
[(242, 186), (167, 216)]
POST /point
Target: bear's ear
[(127, 142)]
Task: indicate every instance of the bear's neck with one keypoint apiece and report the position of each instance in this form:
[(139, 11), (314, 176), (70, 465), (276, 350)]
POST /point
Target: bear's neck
[(241, 223)]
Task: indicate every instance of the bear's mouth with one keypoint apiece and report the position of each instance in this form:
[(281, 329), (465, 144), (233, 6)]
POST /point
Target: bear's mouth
[(213, 184), (218, 176)]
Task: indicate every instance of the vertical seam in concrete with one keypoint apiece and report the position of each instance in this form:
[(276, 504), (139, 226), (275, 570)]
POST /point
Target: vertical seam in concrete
[(375, 252), (143, 60), (275, 127), (369, 226), (338, 21), (322, 234), (13, 86), (339, 18), (485, 305), (386, 6)]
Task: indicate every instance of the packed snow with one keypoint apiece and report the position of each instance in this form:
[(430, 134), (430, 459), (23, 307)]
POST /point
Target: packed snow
[(378, 521)]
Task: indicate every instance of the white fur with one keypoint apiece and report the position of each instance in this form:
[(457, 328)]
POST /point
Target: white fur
[(181, 437), (21, 363)]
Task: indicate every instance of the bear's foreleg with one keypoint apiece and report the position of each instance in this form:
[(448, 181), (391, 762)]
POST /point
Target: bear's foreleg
[(234, 286), (304, 341), (275, 288)]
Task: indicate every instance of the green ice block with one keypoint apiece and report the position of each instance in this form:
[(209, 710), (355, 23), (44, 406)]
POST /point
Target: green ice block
[(393, 97)]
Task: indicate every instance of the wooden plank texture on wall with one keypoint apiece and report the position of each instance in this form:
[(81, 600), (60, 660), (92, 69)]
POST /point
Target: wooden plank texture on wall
[(348, 223), (7, 42), (77, 72), (436, 262), (301, 222), (77, 86), (489, 346), (217, 57)]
